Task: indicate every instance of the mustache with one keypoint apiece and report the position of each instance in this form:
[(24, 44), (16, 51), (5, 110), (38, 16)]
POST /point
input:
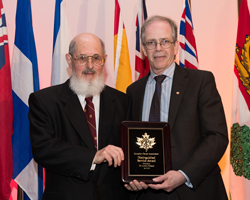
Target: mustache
[(155, 55), (87, 70)]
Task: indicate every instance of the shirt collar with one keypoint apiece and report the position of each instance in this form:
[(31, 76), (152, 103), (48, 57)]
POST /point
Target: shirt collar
[(82, 98), (169, 72)]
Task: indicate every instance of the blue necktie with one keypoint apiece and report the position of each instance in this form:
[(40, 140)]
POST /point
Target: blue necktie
[(154, 115)]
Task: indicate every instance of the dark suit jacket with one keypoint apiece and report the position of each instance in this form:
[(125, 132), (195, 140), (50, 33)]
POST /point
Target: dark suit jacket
[(62, 143), (198, 133)]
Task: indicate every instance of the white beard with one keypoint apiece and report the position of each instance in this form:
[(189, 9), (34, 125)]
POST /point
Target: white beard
[(86, 88)]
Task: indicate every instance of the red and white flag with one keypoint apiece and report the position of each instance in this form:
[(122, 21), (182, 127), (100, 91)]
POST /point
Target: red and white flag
[(6, 111), (240, 133)]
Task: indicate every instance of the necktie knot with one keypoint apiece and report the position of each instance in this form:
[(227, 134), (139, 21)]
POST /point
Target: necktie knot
[(160, 78), (89, 99)]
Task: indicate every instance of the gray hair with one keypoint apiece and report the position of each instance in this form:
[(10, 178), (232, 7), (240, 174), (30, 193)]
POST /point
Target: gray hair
[(72, 47), (159, 18)]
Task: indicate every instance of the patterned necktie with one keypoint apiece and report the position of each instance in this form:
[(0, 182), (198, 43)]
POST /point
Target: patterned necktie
[(154, 115), (90, 116)]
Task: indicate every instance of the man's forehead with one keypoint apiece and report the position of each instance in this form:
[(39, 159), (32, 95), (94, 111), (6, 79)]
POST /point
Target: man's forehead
[(88, 40), (87, 45), (158, 25), (158, 28)]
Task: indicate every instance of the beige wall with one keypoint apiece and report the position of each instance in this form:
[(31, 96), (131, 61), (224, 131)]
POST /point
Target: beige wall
[(215, 25)]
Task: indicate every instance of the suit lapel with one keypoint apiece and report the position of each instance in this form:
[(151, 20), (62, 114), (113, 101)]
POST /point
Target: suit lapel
[(73, 110), (107, 109), (180, 81)]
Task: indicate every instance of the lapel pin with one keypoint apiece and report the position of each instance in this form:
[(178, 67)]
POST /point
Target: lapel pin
[(177, 92)]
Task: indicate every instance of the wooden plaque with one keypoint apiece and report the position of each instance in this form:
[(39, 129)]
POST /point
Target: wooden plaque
[(147, 150)]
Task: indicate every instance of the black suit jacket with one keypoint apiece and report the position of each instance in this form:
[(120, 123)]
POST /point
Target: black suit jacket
[(62, 143), (198, 133)]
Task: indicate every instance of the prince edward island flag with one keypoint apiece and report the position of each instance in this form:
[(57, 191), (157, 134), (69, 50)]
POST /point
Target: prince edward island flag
[(240, 133)]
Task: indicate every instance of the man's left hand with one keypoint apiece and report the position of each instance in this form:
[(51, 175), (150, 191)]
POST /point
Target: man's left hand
[(171, 180)]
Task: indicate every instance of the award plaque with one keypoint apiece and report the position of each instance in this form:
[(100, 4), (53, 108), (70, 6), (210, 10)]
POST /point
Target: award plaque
[(147, 150)]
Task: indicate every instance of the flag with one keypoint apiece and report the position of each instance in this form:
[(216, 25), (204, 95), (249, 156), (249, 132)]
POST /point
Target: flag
[(123, 77), (188, 51), (142, 65), (240, 133), (6, 111), (24, 74), (62, 36)]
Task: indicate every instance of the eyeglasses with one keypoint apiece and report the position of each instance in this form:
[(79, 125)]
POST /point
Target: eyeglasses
[(82, 60), (165, 44)]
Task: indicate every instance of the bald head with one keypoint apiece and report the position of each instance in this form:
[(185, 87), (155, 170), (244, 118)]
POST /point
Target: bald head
[(86, 39)]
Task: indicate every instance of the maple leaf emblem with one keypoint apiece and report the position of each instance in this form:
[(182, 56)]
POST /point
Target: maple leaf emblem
[(145, 142)]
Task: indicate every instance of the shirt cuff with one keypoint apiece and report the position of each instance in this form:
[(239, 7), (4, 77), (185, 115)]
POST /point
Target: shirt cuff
[(188, 183), (92, 168)]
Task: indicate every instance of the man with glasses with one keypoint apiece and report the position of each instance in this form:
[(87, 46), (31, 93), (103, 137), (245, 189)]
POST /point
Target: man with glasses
[(75, 128), (188, 100)]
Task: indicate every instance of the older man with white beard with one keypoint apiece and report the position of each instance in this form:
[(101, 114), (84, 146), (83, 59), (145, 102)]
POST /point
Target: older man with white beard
[(77, 141)]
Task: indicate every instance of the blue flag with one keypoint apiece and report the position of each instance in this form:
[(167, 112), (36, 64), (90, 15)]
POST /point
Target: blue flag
[(25, 80)]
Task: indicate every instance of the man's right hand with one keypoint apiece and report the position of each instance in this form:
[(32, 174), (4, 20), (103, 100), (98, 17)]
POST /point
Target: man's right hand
[(111, 154)]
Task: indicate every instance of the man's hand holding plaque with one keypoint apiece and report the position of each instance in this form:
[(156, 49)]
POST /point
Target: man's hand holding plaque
[(171, 180)]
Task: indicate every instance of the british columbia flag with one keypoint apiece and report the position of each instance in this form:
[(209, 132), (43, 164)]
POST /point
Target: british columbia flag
[(188, 50)]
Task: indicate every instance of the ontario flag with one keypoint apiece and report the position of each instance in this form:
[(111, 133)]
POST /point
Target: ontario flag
[(6, 111), (240, 133), (188, 51), (142, 65), (122, 76)]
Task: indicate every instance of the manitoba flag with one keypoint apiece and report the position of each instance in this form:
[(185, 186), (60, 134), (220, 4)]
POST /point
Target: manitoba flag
[(188, 52), (142, 65), (6, 111)]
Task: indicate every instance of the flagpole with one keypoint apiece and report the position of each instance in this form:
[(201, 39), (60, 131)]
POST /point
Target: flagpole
[(19, 193), (190, 4), (239, 1)]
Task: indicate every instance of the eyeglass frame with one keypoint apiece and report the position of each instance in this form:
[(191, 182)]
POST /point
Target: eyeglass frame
[(145, 44), (77, 58)]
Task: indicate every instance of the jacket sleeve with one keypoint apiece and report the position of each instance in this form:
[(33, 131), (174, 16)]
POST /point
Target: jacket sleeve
[(213, 141)]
